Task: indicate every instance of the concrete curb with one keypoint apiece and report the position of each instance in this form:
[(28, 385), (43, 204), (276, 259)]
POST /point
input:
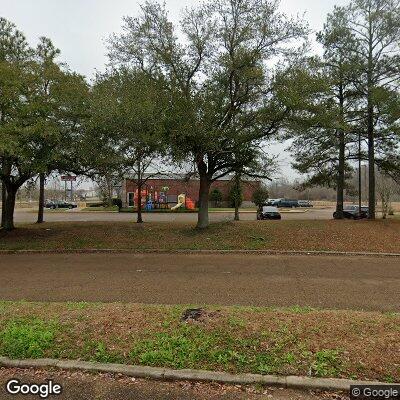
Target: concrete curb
[(300, 382), (188, 251)]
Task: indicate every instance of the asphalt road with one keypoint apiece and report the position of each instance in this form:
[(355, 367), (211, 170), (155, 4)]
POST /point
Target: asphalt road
[(370, 283), (25, 216), (81, 386)]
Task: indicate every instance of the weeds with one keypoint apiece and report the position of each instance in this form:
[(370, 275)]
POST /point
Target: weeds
[(238, 340), (326, 363), (27, 338)]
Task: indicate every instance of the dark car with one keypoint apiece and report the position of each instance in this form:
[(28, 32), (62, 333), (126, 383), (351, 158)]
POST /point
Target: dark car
[(268, 212), (352, 212), (305, 203), (60, 204), (286, 203)]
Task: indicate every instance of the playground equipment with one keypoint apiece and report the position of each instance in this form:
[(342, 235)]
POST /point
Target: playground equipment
[(190, 204), (184, 201), (181, 202)]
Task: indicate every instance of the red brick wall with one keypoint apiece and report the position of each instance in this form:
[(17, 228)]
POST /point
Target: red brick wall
[(191, 187)]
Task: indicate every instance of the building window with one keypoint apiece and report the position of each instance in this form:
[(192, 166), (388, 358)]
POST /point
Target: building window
[(131, 201)]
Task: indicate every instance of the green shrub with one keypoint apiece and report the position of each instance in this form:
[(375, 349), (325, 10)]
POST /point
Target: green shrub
[(236, 195), (260, 196), (216, 197), (95, 205), (118, 203), (27, 338)]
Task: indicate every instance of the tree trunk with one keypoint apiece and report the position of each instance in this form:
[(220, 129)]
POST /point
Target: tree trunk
[(3, 202), (385, 207), (139, 206), (139, 187), (371, 165), (340, 179), (236, 218), (40, 218), (109, 185), (341, 166), (8, 223), (371, 133), (237, 184), (204, 190)]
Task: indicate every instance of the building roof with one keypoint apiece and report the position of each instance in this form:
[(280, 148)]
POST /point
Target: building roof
[(181, 177)]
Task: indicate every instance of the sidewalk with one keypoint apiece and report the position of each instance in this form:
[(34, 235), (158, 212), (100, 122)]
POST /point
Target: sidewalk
[(81, 386)]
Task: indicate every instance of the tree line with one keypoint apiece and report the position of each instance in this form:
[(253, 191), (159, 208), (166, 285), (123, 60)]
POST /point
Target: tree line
[(209, 93)]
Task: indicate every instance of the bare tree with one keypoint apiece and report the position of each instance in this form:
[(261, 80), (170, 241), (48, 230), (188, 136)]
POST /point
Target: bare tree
[(387, 188)]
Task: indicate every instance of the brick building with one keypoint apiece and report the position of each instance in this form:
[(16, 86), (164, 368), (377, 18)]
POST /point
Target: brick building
[(165, 189)]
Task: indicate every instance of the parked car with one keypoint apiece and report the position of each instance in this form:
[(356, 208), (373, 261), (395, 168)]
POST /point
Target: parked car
[(268, 212), (286, 203), (305, 203), (59, 204), (271, 202), (352, 212)]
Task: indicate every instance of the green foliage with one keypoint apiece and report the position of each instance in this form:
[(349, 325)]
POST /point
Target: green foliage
[(81, 305), (124, 134), (126, 121), (191, 346), (253, 340), (236, 194), (300, 310), (41, 108), (326, 363), (218, 112), (97, 351), (236, 322), (118, 203), (27, 338), (260, 196), (216, 197), (180, 349)]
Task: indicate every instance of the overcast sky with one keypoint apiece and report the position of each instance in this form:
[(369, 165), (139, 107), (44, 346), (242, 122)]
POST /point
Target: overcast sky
[(79, 27)]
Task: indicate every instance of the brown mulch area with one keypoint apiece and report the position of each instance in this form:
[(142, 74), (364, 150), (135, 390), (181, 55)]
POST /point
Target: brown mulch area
[(328, 235)]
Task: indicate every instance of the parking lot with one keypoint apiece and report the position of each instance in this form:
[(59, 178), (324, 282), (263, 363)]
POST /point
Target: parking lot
[(29, 216)]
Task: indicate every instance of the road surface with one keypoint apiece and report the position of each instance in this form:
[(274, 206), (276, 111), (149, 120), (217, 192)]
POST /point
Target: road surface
[(29, 216), (83, 386), (370, 283)]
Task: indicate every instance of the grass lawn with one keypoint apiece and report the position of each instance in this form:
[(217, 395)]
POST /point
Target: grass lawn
[(371, 236), (299, 341), (104, 209)]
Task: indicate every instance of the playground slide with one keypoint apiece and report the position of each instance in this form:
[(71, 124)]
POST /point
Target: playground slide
[(177, 206), (181, 202)]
